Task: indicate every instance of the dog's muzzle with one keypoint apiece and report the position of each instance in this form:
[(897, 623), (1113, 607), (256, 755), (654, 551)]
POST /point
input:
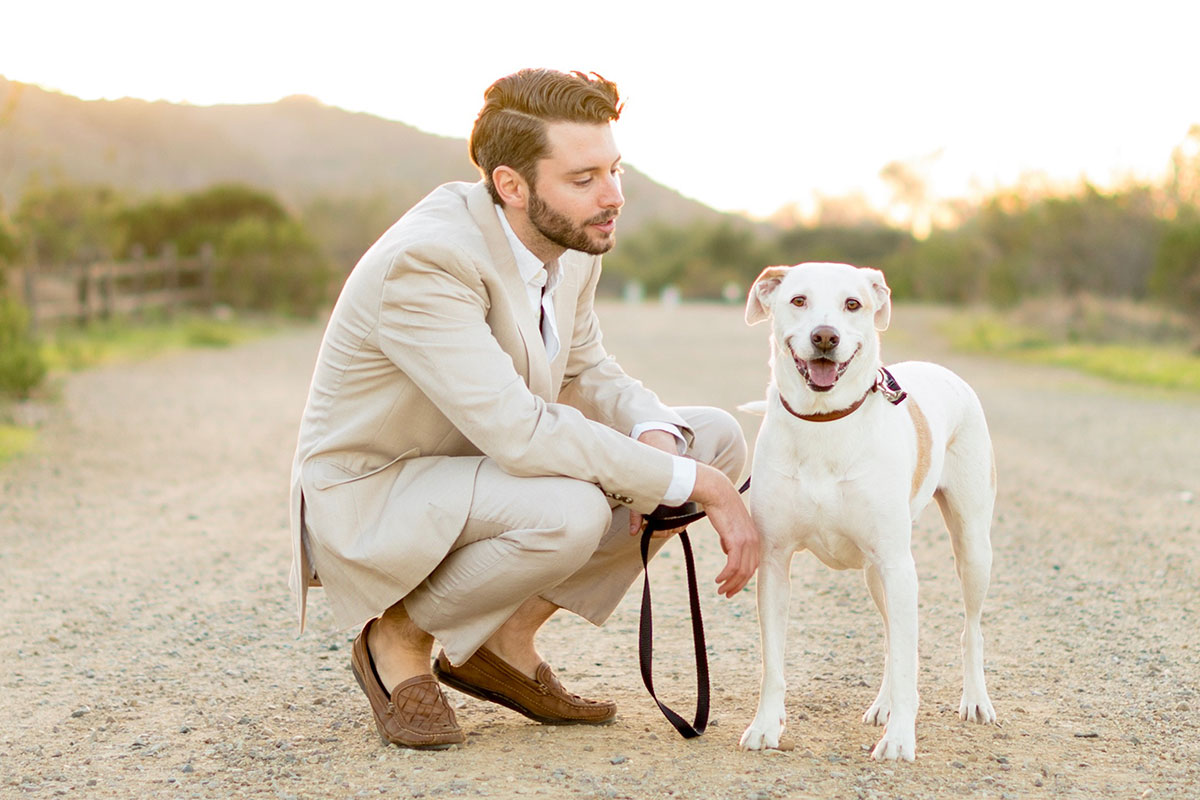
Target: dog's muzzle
[(821, 372)]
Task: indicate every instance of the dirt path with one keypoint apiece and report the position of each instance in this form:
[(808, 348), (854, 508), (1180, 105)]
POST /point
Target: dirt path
[(147, 647)]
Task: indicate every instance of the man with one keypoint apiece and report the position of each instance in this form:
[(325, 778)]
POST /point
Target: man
[(467, 438)]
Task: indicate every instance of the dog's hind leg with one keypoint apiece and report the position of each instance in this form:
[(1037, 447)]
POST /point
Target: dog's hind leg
[(774, 596), (966, 503), (878, 713)]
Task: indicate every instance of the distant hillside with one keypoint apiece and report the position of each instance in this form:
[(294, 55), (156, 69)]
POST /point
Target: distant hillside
[(321, 160)]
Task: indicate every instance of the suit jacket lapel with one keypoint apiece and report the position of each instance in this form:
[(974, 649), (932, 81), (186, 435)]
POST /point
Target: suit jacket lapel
[(566, 297), (484, 211)]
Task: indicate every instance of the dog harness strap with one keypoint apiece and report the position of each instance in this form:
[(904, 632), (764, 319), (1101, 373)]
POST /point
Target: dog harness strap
[(889, 387)]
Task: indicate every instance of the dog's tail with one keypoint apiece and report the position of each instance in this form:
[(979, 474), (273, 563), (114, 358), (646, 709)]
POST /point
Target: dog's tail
[(757, 407)]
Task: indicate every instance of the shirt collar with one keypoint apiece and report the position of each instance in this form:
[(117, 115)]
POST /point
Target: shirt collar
[(529, 266)]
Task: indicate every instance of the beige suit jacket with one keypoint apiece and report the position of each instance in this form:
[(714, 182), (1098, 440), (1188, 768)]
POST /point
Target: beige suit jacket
[(432, 360)]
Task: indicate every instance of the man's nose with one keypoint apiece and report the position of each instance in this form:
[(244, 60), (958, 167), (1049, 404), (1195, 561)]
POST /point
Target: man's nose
[(612, 196)]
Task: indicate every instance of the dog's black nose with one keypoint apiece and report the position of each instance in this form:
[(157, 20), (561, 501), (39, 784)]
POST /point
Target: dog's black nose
[(825, 338)]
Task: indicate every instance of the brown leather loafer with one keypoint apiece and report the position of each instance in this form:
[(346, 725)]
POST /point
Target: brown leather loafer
[(416, 714), (486, 676)]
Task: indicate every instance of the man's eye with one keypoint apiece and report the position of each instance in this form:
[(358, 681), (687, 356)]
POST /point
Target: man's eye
[(853, 305), (583, 182), (799, 301)]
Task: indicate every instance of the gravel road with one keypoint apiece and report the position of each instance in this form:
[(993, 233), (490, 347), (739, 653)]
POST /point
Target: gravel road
[(148, 648)]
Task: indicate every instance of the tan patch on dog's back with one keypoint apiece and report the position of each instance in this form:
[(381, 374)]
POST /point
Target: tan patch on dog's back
[(924, 446)]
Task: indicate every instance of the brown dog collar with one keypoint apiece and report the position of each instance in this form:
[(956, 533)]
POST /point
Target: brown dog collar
[(885, 383)]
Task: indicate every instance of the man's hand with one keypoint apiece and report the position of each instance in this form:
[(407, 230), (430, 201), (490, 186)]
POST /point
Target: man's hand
[(669, 444), (731, 520)]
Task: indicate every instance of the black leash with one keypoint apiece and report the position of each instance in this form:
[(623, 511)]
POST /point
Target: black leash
[(665, 518)]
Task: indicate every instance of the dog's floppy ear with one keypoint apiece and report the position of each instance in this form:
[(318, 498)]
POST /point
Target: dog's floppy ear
[(883, 298), (758, 302)]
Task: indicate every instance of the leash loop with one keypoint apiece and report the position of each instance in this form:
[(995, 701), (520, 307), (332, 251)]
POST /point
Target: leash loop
[(661, 519)]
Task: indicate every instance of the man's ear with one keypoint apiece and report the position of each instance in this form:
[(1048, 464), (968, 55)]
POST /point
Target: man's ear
[(512, 188), (758, 302), (883, 298)]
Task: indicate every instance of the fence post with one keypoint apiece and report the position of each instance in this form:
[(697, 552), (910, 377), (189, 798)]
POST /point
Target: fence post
[(83, 294), (137, 285), (103, 278), (207, 267), (170, 273)]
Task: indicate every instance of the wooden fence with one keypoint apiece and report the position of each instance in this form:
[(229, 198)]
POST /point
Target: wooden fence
[(105, 289)]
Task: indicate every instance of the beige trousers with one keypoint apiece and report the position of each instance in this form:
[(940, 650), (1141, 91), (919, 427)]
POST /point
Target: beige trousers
[(555, 537)]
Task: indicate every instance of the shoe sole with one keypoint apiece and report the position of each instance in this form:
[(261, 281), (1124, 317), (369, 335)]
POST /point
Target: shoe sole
[(495, 697), (383, 734)]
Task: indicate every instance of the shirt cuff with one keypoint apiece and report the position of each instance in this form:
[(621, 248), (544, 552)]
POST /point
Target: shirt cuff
[(642, 427), (683, 481)]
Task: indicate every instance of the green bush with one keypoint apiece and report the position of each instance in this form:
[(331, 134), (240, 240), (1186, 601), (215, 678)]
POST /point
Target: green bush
[(271, 266), (21, 364), (1176, 276)]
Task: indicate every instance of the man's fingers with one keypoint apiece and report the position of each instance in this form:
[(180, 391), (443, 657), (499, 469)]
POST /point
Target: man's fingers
[(740, 565), (733, 578)]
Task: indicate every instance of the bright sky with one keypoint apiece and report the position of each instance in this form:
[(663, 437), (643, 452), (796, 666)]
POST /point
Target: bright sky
[(749, 105)]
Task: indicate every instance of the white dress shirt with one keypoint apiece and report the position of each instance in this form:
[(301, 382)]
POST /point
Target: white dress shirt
[(540, 282)]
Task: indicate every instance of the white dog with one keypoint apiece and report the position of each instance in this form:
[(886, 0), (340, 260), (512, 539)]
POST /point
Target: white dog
[(844, 463)]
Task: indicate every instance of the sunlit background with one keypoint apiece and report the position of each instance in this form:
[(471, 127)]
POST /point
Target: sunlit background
[(1039, 158), (745, 106)]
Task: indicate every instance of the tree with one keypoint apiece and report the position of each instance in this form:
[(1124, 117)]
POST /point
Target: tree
[(909, 182), (266, 260), (62, 223), (193, 220), (1183, 186)]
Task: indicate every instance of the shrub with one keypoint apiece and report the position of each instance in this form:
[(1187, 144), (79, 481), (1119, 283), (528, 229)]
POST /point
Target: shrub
[(271, 266), (21, 364), (1176, 276)]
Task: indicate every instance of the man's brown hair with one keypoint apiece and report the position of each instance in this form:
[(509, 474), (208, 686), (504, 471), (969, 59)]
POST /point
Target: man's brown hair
[(511, 127)]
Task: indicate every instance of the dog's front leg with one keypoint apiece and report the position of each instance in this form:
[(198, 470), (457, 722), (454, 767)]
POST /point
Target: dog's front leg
[(898, 576), (881, 709), (774, 596)]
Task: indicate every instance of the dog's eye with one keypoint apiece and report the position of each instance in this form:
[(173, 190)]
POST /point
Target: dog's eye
[(853, 305), (799, 301)]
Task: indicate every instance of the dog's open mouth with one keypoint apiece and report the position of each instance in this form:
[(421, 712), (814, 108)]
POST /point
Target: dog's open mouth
[(822, 374)]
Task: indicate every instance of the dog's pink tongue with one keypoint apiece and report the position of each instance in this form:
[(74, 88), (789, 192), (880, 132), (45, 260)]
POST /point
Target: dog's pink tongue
[(823, 372)]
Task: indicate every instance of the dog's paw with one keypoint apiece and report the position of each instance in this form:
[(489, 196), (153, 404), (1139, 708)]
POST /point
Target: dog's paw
[(762, 735), (978, 709), (879, 712), (896, 745)]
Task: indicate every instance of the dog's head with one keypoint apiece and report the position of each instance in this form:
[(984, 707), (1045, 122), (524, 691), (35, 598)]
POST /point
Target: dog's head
[(826, 320)]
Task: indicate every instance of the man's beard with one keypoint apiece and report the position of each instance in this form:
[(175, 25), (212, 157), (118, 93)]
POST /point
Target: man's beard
[(557, 228)]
